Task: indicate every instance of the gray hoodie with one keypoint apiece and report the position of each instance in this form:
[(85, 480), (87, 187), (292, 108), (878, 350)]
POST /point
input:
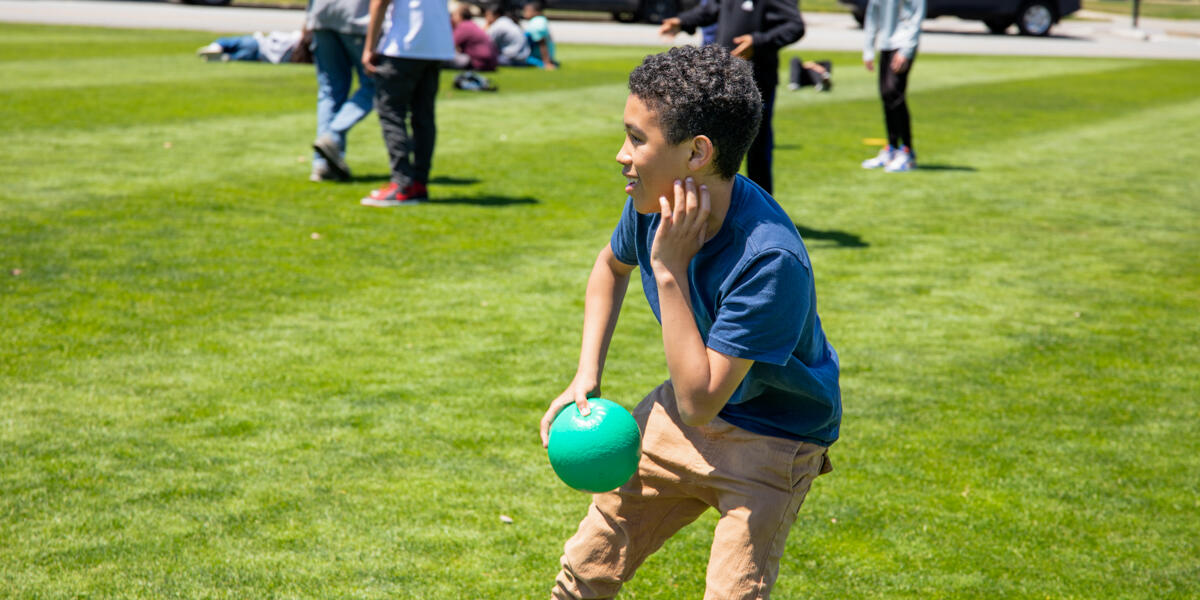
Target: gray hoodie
[(343, 16), (893, 25)]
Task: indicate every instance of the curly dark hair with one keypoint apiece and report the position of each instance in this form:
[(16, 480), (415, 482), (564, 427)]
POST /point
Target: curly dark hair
[(702, 91)]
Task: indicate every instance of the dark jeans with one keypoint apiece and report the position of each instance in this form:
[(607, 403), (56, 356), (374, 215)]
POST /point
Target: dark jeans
[(758, 158), (892, 86), (405, 87)]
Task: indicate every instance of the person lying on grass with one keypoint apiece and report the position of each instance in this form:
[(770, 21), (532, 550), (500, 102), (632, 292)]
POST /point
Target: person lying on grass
[(744, 422)]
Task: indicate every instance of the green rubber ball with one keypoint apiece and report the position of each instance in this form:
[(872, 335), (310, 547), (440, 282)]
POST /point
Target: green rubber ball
[(596, 453)]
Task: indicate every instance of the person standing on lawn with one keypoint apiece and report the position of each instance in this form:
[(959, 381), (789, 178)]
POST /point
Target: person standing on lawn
[(754, 30), (405, 58), (894, 27), (745, 421), (339, 30)]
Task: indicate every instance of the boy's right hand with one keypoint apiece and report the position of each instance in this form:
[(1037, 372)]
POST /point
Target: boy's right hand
[(578, 392), (670, 27), (370, 60)]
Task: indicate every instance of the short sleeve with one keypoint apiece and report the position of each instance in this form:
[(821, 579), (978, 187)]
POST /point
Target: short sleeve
[(762, 316), (624, 237), (538, 29)]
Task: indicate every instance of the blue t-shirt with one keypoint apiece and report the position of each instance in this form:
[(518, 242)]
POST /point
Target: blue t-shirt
[(753, 297), (538, 30)]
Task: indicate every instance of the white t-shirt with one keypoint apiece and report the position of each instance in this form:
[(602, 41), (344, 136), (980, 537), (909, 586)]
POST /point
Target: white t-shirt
[(418, 29), (277, 46)]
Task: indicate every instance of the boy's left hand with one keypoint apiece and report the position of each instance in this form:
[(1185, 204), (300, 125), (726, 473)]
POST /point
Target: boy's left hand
[(683, 229)]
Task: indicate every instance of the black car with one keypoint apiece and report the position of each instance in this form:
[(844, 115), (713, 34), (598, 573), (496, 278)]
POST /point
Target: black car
[(1033, 17), (628, 11)]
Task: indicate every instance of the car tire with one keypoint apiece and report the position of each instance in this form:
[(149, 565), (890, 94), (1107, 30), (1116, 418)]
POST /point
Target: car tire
[(997, 26), (1035, 18), (654, 11), (860, 17)]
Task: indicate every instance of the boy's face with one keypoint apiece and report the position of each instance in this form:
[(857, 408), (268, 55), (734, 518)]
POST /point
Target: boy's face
[(650, 163)]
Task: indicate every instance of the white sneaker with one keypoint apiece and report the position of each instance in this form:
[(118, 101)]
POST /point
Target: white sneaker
[(328, 148), (902, 161), (210, 52), (882, 159)]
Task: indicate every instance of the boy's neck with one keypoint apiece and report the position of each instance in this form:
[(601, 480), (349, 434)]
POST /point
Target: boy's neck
[(720, 195)]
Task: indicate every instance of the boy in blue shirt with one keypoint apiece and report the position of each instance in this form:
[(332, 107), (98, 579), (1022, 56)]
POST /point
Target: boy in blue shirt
[(744, 423), (537, 31)]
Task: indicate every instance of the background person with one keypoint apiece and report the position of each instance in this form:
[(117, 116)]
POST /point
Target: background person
[(339, 30), (274, 47), (803, 73), (894, 27), (405, 60), (754, 31), (473, 49), (541, 45), (744, 423), (508, 37)]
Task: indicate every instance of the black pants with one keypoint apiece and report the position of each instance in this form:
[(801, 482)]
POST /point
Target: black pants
[(892, 86), (405, 87), (758, 158)]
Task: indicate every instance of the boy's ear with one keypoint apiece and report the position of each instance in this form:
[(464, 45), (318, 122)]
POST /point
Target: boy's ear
[(702, 153)]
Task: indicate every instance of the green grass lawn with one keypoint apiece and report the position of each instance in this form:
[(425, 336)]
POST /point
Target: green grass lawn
[(218, 380)]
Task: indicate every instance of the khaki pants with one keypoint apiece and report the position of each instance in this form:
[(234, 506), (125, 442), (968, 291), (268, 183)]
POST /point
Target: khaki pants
[(756, 482)]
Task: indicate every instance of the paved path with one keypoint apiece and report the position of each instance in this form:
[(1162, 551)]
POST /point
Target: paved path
[(1095, 34)]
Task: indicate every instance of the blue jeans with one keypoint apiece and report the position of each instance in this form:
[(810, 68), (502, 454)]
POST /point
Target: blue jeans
[(337, 57), (242, 47)]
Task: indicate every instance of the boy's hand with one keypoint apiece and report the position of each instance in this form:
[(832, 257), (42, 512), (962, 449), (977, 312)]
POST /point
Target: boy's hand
[(683, 229), (670, 27), (743, 47), (899, 63), (578, 392), (369, 61)]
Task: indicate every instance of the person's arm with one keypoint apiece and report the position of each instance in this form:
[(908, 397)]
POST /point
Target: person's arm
[(703, 378), (782, 25), (545, 48), (687, 21), (374, 25), (870, 32), (605, 292), (911, 27)]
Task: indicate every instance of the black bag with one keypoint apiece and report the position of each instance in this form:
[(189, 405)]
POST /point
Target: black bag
[(473, 82)]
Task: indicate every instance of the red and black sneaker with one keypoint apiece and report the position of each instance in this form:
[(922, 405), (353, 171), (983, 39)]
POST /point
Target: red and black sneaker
[(393, 195)]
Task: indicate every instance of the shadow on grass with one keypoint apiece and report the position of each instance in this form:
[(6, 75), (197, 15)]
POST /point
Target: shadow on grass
[(483, 200), (939, 167), (840, 239), (439, 180), (445, 180)]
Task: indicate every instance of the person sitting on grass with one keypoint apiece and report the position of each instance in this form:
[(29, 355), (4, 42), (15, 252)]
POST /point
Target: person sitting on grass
[(745, 421), (541, 46), (803, 73), (510, 40), (473, 49)]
